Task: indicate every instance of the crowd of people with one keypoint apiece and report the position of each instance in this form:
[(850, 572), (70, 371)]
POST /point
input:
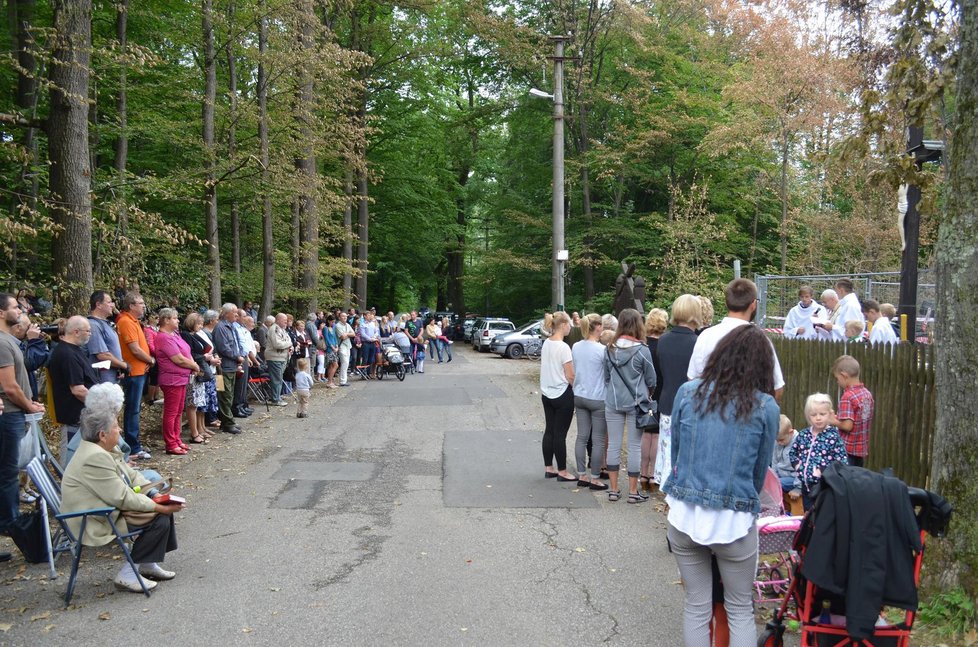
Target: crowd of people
[(697, 408), (841, 316), (121, 358)]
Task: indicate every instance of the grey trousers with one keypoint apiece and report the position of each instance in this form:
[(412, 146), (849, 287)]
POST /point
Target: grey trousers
[(590, 425), (618, 423), (738, 566)]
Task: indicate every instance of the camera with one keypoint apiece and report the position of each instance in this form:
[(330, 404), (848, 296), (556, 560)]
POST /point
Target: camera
[(50, 330)]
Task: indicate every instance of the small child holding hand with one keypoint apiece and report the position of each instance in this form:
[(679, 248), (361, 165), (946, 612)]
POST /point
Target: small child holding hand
[(816, 446), (303, 386)]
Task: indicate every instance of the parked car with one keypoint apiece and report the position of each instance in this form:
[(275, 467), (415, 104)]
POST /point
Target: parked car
[(484, 331), (522, 341), (467, 328)]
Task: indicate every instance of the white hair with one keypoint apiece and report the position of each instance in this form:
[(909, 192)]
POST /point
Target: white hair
[(107, 397), (830, 293)]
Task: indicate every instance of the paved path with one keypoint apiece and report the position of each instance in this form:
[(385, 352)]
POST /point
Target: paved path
[(410, 513)]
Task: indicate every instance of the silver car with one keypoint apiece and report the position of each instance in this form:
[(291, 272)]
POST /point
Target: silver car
[(484, 330), (520, 342)]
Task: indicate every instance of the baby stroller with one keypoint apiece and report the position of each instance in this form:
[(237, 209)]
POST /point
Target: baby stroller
[(391, 363), (891, 522), (776, 533)]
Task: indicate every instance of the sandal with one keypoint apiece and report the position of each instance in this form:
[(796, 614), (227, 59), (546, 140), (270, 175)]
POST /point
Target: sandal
[(600, 487), (177, 451), (614, 495), (637, 497), (200, 439)]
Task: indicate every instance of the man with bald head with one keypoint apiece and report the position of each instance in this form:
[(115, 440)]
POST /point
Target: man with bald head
[(278, 346), (71, 375)]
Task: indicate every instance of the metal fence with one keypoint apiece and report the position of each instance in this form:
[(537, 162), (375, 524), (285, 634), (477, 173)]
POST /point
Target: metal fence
[(779, 294), (901, 379)]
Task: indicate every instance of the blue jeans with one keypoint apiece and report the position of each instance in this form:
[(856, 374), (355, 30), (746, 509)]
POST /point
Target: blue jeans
[(275, 371), (436, 345), (132, 386), (446, 347), (12, 429)]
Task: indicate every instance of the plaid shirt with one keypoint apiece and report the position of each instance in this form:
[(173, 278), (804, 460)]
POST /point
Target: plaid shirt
[(857, 405)]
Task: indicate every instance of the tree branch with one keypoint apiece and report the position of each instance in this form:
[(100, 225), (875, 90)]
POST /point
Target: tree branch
[(23, 122)]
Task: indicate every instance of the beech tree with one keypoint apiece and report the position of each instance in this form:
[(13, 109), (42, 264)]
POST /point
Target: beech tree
[(71, 171), (955, 459)]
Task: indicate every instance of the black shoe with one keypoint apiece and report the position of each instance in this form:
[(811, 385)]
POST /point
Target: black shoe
[(5, 557), (239, 414), (248, 410), (233, 429)]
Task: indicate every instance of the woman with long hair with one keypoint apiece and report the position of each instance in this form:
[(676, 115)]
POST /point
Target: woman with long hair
[(589, 391), (557, 393), (723, 430), (630, 376)]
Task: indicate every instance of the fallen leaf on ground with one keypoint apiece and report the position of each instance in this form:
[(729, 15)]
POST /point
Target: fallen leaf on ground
[(41, 616), (247, 630), (579, 550), (48, 629), (105, 615), (5, 626)]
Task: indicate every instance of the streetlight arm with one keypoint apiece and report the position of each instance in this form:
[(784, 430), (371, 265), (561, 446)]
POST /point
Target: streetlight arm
[(540, 94)]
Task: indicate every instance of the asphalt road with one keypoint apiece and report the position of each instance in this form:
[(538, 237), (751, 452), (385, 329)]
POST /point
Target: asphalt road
[(398, 513)]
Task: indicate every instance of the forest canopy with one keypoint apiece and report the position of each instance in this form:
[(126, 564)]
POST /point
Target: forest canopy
[(389, 154)]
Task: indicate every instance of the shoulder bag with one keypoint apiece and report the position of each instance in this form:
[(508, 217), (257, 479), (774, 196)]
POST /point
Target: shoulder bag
[(645, 418)]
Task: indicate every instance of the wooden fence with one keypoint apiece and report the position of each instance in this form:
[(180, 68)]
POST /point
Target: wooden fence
[(901, 379)]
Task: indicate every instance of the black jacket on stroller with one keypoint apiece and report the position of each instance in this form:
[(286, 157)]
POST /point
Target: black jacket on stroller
[(861, 538)]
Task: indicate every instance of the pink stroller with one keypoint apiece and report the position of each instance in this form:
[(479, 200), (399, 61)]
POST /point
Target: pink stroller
[(775, 536)]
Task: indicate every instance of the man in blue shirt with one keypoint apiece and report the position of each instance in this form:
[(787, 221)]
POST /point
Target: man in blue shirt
[(104, 344)]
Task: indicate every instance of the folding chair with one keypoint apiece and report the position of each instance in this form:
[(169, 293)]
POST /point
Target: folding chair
[(65, 540), (260, 389)]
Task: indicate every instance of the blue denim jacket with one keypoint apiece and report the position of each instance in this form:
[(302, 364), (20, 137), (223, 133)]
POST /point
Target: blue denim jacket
[(718, 462)]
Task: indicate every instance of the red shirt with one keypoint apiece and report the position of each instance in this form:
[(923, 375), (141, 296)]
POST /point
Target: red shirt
[(857, 404)]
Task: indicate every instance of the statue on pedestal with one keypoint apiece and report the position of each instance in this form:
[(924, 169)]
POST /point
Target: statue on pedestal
[(629, 290)]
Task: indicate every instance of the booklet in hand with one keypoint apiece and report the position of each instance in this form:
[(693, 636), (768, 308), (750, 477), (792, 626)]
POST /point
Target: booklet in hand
[(169, 499)]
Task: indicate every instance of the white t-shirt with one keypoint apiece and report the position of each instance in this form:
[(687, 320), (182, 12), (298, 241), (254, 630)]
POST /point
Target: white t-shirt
[(707, 526), (553, 380), (883, 333), (709, 339)]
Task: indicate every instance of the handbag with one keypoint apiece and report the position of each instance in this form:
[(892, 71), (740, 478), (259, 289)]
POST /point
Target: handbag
[(138, 518), (645, 418), (27, 531), (219, 382)]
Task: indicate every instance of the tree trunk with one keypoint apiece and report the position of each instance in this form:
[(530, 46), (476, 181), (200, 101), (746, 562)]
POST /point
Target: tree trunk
[(70, 172), (210, 157), (363, 225), (348, 240), (784, 206), (122, 141), (306, 165), (22, 16), (267, 236), (956, 439), (232, 151), (121, 160)]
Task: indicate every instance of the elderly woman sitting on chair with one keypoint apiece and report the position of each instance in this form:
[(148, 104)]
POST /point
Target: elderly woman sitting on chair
[(98, 477)]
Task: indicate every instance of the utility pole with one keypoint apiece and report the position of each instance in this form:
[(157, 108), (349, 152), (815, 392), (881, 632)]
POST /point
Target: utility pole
[(559, 252)]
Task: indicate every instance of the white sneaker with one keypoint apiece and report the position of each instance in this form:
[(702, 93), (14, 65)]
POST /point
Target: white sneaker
[(281, 403), (155, 572), (132, 585)]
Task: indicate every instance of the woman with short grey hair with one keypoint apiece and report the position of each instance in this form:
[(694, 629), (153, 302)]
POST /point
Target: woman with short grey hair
[(99, 477)]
